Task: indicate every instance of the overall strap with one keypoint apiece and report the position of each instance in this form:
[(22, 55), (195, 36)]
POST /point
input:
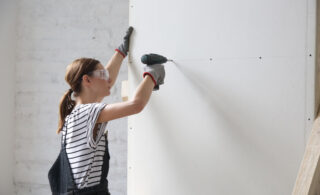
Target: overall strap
[(64, 139)]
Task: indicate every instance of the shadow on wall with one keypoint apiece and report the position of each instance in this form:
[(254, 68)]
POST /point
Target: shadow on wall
[(218, 100)]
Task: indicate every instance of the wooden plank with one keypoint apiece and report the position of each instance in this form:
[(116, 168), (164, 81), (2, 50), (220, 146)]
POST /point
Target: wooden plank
[(307, 182), (124, 90)]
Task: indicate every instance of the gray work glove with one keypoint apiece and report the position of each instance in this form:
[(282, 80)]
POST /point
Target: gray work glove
[(157, 73), (124, 47)]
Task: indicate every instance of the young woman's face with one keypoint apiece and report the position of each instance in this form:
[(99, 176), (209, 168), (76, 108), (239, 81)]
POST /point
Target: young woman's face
[(101, 86)]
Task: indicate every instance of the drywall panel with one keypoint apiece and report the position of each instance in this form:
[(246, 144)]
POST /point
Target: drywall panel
[(237, 102)]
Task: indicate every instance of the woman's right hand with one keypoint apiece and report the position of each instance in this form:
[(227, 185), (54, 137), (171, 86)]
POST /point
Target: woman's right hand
[(157, 73)]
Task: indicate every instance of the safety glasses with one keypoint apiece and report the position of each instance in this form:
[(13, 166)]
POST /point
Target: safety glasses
[(100, 73)]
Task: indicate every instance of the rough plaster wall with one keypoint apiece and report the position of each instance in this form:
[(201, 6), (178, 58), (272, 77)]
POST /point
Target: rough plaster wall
[(50, 35)]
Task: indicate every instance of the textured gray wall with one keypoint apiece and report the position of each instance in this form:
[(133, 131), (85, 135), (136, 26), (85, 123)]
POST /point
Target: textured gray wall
[(50, 35), (7, 53)]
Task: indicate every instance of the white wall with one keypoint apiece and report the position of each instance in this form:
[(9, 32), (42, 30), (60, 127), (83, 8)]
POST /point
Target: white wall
[(50, 35), (236, 105), (7, 49)]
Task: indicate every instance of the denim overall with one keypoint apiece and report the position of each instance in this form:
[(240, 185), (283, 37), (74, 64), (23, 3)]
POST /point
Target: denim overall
[(61, 177)]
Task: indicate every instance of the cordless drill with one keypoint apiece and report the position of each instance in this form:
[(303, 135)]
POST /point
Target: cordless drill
[(151, 59)]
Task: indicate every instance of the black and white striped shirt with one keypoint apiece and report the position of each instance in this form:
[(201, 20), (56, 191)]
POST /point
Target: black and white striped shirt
[(85, 153)]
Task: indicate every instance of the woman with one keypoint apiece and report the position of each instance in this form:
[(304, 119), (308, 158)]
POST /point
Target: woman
[(83, 163)]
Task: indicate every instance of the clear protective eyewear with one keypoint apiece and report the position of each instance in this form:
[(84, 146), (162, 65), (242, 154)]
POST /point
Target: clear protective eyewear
[(100, 73)]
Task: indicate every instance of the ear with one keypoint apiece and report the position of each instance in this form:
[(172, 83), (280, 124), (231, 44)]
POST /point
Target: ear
[(86, 80)]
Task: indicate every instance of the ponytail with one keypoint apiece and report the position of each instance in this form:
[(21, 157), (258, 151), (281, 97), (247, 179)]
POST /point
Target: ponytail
[(66, 106), (75, 71)]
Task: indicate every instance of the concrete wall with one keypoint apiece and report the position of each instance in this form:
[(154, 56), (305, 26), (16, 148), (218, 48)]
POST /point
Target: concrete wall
[(50, 35), (7, 46)]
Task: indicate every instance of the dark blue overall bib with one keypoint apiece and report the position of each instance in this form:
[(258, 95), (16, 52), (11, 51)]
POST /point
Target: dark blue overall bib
[(61, 177)]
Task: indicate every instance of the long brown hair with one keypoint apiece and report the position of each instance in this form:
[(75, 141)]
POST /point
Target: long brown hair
[(73, 77)]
